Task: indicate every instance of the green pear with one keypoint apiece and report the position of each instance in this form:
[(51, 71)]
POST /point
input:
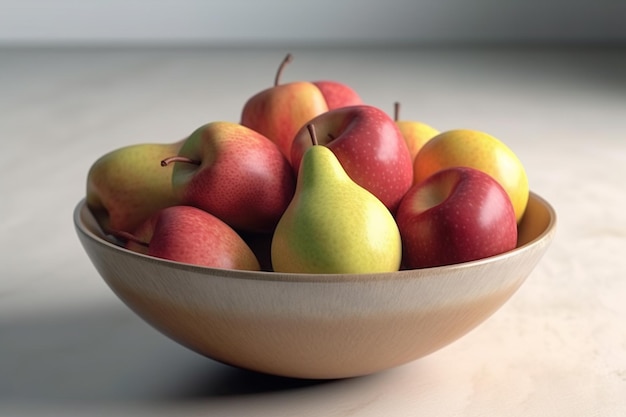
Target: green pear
[(333, 225), (128, 185)]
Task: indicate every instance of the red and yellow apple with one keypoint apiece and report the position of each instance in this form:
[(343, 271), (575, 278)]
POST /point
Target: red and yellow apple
[(278, 112), (458, 214), (479, 150)]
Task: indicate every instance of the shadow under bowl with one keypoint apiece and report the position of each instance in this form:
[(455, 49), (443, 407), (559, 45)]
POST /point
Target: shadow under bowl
[(310, 325)]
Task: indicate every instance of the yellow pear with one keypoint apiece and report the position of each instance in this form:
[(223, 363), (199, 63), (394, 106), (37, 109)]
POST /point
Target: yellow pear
[(332, 224)]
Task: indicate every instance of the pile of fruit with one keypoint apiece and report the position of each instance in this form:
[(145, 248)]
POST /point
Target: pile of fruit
[(313, 180)]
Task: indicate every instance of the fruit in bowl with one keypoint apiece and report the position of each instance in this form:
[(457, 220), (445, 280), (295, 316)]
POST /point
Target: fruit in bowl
[(332, 224), (479, 150), (369, 146), (277, 112), (325, 252), (415, 133), (316, 325), (456, 215)]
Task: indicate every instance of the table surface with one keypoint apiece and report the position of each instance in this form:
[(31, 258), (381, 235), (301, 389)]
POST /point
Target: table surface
[(69, 347)]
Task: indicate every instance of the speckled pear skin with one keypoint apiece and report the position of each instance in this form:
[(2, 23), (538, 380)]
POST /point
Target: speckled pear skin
[(333, 225)]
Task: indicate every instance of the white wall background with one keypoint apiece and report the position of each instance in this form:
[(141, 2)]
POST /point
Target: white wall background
[(311, 21)]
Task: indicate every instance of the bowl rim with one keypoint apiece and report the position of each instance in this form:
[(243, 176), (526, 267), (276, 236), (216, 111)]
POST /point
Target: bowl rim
[(546, 234)]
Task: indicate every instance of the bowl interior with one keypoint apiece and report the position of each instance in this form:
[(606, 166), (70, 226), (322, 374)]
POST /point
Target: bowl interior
[(316, 326)]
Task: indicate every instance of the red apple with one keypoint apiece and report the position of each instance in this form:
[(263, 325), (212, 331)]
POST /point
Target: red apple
[(234, 173), (280, 111), (338, 94), (190, 235), (369, 146), (459, 214)]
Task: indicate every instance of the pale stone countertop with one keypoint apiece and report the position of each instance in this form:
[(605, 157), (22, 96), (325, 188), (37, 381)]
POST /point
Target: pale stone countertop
[(69, 347)]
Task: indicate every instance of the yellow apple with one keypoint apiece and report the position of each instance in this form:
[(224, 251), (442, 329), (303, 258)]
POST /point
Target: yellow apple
[(479, 150), (415, 133)]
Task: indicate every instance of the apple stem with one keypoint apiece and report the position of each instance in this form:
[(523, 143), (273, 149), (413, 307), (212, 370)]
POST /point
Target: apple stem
[(171, 159), (288, 58), (312, 133), (396, 111)]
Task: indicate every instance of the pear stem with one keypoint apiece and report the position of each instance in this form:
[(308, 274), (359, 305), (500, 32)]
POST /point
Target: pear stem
[(396, 111), (171, 159), (288, 58), (312, 133)]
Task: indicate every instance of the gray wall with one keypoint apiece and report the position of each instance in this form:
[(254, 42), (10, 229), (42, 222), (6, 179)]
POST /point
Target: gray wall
[(314, 21)]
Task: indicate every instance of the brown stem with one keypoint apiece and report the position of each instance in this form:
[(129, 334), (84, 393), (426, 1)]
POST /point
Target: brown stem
[(171, 159), (288, 59), (312, 133), (396, 111)]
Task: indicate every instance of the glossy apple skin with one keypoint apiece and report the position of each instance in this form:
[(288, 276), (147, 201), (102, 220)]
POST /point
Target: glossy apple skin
[(242, 178), (479, 150), (338, 94), (369, 146), (191, 235), (280, 111), (457, 215)]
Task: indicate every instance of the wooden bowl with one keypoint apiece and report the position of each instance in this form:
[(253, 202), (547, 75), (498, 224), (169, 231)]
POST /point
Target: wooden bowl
[(316, 326)]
